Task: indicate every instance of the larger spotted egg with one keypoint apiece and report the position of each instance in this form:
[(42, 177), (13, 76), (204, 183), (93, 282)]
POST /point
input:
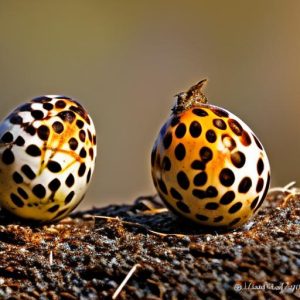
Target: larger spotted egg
[(208, 166), (47, 158)]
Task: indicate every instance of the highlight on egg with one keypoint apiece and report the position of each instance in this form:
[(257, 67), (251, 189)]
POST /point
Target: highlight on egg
[(207, 165), (47, 158)]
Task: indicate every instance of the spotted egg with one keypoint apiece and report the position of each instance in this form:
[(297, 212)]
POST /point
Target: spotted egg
[(47, 158), (207, 165)]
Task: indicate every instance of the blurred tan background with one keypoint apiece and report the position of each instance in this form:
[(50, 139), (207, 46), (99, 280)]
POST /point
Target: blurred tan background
[(124, 61)]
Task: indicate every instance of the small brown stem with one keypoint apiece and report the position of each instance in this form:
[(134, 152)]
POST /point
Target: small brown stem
[(192, 97)]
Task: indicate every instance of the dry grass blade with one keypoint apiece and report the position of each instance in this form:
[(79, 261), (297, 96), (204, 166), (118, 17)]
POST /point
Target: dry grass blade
[(289, 188), (51, 258), (123, 283)]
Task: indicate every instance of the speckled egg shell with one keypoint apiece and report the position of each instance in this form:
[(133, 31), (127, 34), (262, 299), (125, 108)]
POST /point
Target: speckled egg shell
[(48, 151), (208, 166)]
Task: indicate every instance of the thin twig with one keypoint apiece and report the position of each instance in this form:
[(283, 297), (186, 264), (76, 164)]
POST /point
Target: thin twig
[(51, 258), (155, 211), (138, 225), (289, 188), (121, 286)]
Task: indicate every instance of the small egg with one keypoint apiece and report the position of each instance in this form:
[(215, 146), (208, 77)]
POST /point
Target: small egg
[(207, 165), (47, 158)]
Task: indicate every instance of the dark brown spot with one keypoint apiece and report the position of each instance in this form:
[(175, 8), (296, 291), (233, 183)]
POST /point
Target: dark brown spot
[(226, 177), (39, 191), (82, 153), (158, 159), (53, 208), (265, 193), (257, 142), (67, 116), (201, 194), (81, 112), (88, 120), (54, 185), (245, 185), (235, 207), (22, 193), (91, 153), (227, 198), (73, 144), (70, 180), (218, 219), (238, 159), (43, 132), (16, 119), (235, 127), (175, 120), (20, 141), (60, 104), (16, 200), (7, 137), (25, 107), (69, 197), (201, 217), (90, 136), (198, 165), (212, 205), (234, 222), (167, 140), (30, 129), (211, 192), (200, 179), (206, 154), (254, 203), (245, 139), (8, 156), (37, 114), (195, 129), (88, 177), (17, 177), (79, 124), (162, 186), (211, 136), (33, 150), (82, 135), (260, 166), (220, 112), (28, 172), (200, 112), (260, 185), (54, 166), (81, 169), (166, 164), (183, 207), (180, 130), (61, 213), (183, 180), (180, 151), (219, 123), (48, 106), (153, 156), (58, 127), (175, 194)]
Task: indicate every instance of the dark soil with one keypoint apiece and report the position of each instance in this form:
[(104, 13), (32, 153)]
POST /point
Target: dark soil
[(87, 257)]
